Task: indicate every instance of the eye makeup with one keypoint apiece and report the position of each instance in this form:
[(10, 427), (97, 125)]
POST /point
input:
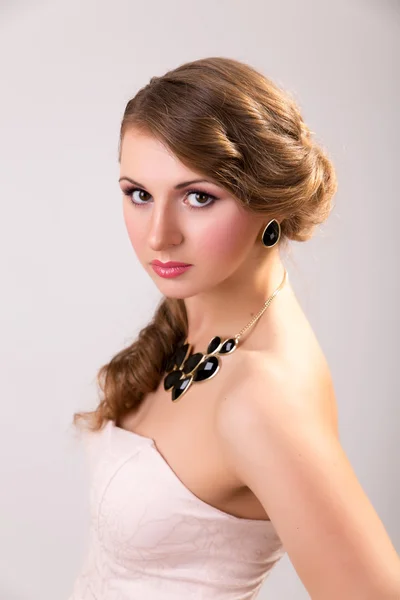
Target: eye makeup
[(129, 191)]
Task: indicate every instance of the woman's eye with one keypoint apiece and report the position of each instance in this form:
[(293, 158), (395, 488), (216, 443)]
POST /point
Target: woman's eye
[(202, 198), (139, 198)]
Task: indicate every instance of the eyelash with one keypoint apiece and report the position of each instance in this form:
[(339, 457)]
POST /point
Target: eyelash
[(130, 191)]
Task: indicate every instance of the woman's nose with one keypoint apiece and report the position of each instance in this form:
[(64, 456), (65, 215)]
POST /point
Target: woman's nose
[(164, 228)]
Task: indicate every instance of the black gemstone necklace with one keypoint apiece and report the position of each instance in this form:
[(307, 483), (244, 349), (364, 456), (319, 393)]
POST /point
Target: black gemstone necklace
[(183, 368)]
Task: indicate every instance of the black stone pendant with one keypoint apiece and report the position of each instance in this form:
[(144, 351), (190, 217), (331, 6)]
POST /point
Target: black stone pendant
[(172, 379), (181, 387), (228, 347), (207, 369), (181, 355), (192, 362), (214, 345), (186, 368)]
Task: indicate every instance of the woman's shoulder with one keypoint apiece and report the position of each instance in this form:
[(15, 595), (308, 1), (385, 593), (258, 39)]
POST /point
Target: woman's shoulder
[(295, 379), (289, 362)]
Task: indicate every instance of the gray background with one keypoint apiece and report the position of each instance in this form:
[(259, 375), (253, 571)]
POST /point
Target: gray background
[(72, 291)]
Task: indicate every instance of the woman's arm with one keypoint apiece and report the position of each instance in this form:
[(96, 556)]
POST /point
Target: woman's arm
[(282, 445)]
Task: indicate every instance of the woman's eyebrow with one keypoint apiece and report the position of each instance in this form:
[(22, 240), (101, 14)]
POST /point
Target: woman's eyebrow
[(177, 187)]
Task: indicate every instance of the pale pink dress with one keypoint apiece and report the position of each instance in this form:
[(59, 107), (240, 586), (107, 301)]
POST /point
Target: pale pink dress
[(151, 538)]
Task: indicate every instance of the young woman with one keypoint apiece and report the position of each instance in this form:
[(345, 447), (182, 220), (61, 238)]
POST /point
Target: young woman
[(215, 447)]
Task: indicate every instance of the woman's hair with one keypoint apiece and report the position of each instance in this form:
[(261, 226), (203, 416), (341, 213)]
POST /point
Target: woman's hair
[(222, 119)]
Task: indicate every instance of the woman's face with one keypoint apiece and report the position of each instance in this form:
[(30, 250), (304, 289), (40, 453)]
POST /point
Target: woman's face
[(169, 220)]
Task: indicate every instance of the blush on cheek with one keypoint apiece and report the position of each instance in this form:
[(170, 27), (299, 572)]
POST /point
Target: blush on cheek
[(227, 238)]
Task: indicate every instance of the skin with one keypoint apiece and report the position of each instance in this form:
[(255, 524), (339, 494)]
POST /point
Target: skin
[(222, 241), (276, 415)]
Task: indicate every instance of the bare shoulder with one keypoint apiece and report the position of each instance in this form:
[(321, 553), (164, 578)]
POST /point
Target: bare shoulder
[(281, 388), (277, 426)]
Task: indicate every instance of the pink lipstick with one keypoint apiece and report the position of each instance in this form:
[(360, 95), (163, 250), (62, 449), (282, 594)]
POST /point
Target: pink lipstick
[(169, 269)]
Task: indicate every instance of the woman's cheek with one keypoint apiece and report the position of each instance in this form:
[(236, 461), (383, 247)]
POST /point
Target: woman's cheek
[(226, 238)]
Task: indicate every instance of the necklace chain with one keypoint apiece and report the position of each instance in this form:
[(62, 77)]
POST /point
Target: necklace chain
[(185, 368), (264, 308)]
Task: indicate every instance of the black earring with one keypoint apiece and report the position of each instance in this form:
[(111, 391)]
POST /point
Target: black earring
[(271, 234)]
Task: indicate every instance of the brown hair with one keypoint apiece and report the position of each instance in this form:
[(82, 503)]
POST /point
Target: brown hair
[(224, 119)]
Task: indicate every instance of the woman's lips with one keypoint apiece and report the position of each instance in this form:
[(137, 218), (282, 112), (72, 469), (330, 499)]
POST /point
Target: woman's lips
[(169, 272)]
